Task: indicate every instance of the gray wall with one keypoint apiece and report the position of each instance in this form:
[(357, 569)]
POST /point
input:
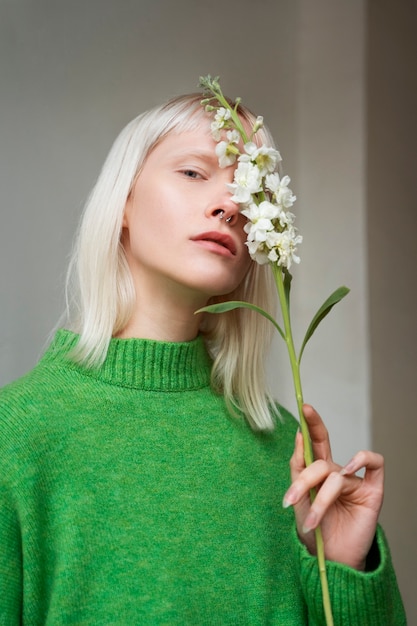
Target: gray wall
[(73, 73)]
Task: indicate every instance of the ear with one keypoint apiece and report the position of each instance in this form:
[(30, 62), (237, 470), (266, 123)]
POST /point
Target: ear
[(126, 212)]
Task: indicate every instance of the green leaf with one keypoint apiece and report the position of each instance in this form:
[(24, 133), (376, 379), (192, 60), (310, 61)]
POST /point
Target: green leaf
[(287, 287), (223, 307), (326, 307)]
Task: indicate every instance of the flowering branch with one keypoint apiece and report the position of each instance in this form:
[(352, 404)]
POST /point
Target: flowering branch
[(265, 199)]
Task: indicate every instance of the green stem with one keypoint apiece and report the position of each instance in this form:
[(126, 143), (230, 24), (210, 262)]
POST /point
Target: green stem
[(235, 116), (214, 87), (308, 451)]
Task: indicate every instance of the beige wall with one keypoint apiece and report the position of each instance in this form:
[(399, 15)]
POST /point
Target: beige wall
[(73, 73), (392, 258)]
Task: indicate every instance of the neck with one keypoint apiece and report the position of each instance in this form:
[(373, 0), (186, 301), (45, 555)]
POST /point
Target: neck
[(152, 323), (167, 317)]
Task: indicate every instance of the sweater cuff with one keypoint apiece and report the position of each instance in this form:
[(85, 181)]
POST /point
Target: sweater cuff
[(370, 597)]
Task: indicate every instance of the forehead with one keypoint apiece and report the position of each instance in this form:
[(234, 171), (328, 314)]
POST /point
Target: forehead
[(197, 142)]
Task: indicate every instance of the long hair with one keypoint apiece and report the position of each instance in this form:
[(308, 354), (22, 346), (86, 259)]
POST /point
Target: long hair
[(100, 292)]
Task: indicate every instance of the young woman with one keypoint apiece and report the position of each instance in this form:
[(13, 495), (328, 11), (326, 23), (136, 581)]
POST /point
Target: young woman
[(143, 468)]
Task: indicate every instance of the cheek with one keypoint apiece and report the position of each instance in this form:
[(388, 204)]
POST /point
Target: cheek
[(242, 221), (144, 218)]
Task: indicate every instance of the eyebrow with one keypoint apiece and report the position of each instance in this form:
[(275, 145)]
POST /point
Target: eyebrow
[(195, 153)]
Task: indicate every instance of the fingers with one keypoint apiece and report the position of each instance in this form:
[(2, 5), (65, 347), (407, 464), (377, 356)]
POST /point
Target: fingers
[(330, 491), (372, 462), (319, 439), (345, 505), (334, 483), (318, 433), (310, 478), (297, 464)]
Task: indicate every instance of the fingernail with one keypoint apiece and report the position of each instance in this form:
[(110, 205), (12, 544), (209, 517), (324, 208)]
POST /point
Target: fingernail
[(348, 468), (290, 498), (310, 522)]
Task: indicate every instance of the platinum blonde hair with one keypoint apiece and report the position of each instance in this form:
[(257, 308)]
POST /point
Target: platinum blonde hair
[(100, 291)]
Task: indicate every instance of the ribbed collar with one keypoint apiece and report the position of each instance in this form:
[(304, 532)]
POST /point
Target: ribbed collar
[(142, 363)]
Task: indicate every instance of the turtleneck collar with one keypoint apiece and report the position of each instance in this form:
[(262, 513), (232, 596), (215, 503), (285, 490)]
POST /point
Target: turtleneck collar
[(142, 363)]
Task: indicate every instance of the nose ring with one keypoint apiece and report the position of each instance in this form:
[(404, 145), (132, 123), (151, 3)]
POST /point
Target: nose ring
[(221, 216)]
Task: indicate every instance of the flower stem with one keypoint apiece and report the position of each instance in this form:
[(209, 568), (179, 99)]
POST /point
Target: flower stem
[(308, 451), (212, 86)]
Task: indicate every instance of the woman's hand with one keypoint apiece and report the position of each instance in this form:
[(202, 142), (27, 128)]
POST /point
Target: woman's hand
[(346, 506)]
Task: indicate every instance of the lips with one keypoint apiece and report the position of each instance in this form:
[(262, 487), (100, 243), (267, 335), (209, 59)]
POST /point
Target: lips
[(219, 239)]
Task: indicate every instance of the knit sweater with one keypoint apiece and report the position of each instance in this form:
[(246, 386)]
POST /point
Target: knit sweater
[(129, 496)]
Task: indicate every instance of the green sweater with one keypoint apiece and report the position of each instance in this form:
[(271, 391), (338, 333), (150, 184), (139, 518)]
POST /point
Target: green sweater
[(129, 496)]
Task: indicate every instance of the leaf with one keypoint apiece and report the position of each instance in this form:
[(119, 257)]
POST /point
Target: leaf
[(326, 307), (223, 307), (287, 287)]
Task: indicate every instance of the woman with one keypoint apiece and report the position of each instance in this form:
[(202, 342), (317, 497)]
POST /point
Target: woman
[(142, 468)]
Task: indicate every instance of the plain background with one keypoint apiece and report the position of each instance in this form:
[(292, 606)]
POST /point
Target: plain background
[(336, 84)]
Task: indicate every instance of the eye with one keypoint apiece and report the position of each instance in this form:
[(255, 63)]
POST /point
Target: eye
[(191, 174)]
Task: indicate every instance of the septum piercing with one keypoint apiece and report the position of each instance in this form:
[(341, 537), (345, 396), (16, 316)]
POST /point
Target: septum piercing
[(221, 215)]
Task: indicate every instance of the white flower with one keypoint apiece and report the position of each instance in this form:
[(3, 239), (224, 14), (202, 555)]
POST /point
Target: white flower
[(247, 181), (265, 158), (286, 218), (220, 119), (259, 228), (227, 151), (272, 182), (264, 197), (284, 195), (259, 231), (222, 115), (269, 245), (233, 136), (283, 247), (280, 190), (256, 253), (261, 210), (259, 122)]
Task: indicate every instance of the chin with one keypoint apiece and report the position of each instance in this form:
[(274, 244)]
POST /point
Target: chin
[(219, 285)]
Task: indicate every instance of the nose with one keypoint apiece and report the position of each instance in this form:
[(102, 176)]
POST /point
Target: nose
[(224, 209)]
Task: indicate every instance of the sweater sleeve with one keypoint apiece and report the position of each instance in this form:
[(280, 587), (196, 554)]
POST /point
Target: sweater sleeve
[(11, 576), (367, 598), (10, 563)]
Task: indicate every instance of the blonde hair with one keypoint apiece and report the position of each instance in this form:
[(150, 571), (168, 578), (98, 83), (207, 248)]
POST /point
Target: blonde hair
[(100, 291)]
